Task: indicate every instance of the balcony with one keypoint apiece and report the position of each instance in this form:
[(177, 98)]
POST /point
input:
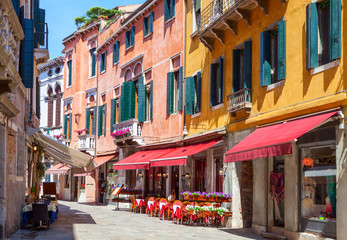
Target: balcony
[(222, 15), (240, 100), (128, 132), (86, 143), (41, 50)]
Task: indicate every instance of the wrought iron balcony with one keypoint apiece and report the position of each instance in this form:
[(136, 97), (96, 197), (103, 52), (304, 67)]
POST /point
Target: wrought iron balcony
[(129, 130), (221, 15), (86, 142), (240, 100)]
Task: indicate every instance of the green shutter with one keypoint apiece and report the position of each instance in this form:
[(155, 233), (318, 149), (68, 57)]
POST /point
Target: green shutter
[(265, 58), (335, 29), (118, 51), (100, 120), (190, 96), (180, 90), (311, 36), (151, 102), (236, 70), (166, 10), (141, 109), (113, 115), (105, 117), (93, 60), (65, 125), (213, 85), (281, 73), (41, 27), (70, 72), (114, 53), (221, 81), (172, 8), (145, 30), (70, 125), (168, 92), (27, 54), (172, 92), (198, 92), (132, 90), (132, 35), (151, 22), (247, 65), (121, 103), (127, 40), (88, 118), (94, 120)]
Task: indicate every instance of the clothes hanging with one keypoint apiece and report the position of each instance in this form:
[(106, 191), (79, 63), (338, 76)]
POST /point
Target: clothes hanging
[(277, 186)]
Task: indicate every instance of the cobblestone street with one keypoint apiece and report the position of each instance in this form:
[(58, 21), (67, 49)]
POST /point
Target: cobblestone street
[(83, 221)]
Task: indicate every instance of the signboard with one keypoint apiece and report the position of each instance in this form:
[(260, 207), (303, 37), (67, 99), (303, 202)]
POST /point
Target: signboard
[(117, 190)]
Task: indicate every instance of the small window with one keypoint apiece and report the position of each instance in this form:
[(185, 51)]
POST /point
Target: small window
[(103, 62), (148, 25), (130, 37), (116, 52), (169, 9), (323, 32), (50, 72), (92, 62), (57, 70), (196, 15), (69, 66), (217, 82)]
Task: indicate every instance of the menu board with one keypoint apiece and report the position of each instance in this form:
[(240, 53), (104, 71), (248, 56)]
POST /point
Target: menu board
[(117, 190)]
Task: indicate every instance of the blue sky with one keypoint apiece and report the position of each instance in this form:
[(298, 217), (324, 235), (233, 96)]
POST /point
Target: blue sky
[(60, 16)]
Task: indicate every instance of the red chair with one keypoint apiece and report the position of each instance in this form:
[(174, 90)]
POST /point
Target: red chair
[(177, 209), (156, 207), (162, 207), (169, 208), (150, 207)]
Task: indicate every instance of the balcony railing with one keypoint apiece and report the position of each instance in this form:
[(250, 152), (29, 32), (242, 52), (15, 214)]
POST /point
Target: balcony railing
[(129, 129), (86, 142), (240, 100), (214, 10)]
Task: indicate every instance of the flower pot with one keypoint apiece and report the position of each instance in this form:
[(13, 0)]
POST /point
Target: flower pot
[(186, 197)]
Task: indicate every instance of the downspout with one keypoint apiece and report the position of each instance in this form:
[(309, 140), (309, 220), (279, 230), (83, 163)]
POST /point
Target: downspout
[(267, 196), (96, 116), (184, 64)]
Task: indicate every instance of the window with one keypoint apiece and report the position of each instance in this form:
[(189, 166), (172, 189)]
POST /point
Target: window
[(174, 99), (91, 120), (92, 60), (113, 113), (103, 62), (196, 15), (128, 101), (50, 73), (144, 101), (149, 105), (217, 82), (57, 70), (242, 67), (193, 94), (148, 25), (169, 9), (67, 125), (50, 107), (102, 120), (69, 66), (57, 105), (323, 33), (116, 47), (273, 55), (130, 37)]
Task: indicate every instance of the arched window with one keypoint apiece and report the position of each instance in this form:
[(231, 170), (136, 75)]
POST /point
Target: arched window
[(50, 107), (137, 69), (57, 105), (128, 75)]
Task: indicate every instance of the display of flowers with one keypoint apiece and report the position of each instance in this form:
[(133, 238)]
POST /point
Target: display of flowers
[(219, 210), (206, 194), (82, 130), (121, 133), (58, 136), (83, 186)]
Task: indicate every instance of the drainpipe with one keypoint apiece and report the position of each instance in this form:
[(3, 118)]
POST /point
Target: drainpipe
[(96, 116), (184, 64)]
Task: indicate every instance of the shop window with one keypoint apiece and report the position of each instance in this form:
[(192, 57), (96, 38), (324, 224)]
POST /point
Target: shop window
[(318, 183), (200, 176)]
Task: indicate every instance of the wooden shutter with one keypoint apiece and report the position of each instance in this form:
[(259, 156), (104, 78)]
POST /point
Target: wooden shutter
[(132, 35), (213, 84), (236, 70), (88, 118), (127, 39), (172, 92), (151, 102), (65, 125), (141, 110), (311, 36), (94, 120), (27, 54), (70, 125), (172, 8), (265, 58), (70, 72), (335, 29), (166, 10), (168, 91), (281, 73), (16, 6), (198, 92), (41, 27), (93, 61), (132, 90), (151, 22), (113, 113), (118, 51), (247, 66), (180, 90), (105, 117), (145, 30), (190, 95), (121, 103), (100, 120), (221, 81), (114, 53)]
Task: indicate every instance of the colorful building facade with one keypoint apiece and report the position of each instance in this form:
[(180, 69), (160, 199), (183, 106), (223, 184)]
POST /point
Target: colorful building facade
[(256, 63)]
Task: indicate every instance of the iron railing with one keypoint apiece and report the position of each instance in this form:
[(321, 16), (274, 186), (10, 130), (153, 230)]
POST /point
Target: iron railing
[(241, 99), (214, 10)]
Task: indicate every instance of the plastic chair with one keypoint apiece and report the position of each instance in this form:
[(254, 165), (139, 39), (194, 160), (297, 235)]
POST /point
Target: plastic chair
[(40, 215), (132, 204), (156, 206)]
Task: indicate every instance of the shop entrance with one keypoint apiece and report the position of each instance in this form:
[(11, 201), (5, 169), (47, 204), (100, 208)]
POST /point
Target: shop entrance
[(277, 191), (175, 181), (75, 195), (200, 175)]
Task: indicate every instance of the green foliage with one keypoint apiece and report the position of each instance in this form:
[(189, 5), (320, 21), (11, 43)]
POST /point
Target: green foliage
[(33, 190), (41, 169), (93, 13)]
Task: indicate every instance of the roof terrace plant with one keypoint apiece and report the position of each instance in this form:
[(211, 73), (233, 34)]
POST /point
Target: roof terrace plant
[(92, 15)]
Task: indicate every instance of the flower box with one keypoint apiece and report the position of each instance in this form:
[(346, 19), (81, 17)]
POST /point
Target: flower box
[(201, 198), (186, 197)]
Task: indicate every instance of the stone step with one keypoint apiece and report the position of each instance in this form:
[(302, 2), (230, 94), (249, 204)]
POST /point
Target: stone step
[(273, 236)]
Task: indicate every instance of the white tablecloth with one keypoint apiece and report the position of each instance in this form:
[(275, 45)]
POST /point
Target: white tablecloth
[(150, 203), (138, 201), (161, 205), (175, 208), (29, 208)]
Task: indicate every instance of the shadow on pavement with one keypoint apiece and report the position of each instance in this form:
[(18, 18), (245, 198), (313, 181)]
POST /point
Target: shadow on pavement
[(242, 232)]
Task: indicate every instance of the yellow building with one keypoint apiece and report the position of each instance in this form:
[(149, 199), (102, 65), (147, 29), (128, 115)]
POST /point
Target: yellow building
[(251, 63)]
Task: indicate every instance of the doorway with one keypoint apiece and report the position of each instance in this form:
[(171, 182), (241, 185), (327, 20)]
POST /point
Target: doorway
[(175, 180), (200, 172), (75, 195), (277, 191)]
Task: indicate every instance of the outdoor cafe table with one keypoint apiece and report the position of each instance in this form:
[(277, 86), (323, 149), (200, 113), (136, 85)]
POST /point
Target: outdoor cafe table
[(28, 212)]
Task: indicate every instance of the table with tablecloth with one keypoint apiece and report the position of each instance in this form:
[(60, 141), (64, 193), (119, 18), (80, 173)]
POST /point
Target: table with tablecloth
[(176, 212), (28, 212), (150, 206)]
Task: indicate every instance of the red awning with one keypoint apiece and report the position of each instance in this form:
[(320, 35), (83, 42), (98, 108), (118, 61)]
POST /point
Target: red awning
[(179, 155), (103, 159), (140, 160), (274, 140), (58, 169)]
